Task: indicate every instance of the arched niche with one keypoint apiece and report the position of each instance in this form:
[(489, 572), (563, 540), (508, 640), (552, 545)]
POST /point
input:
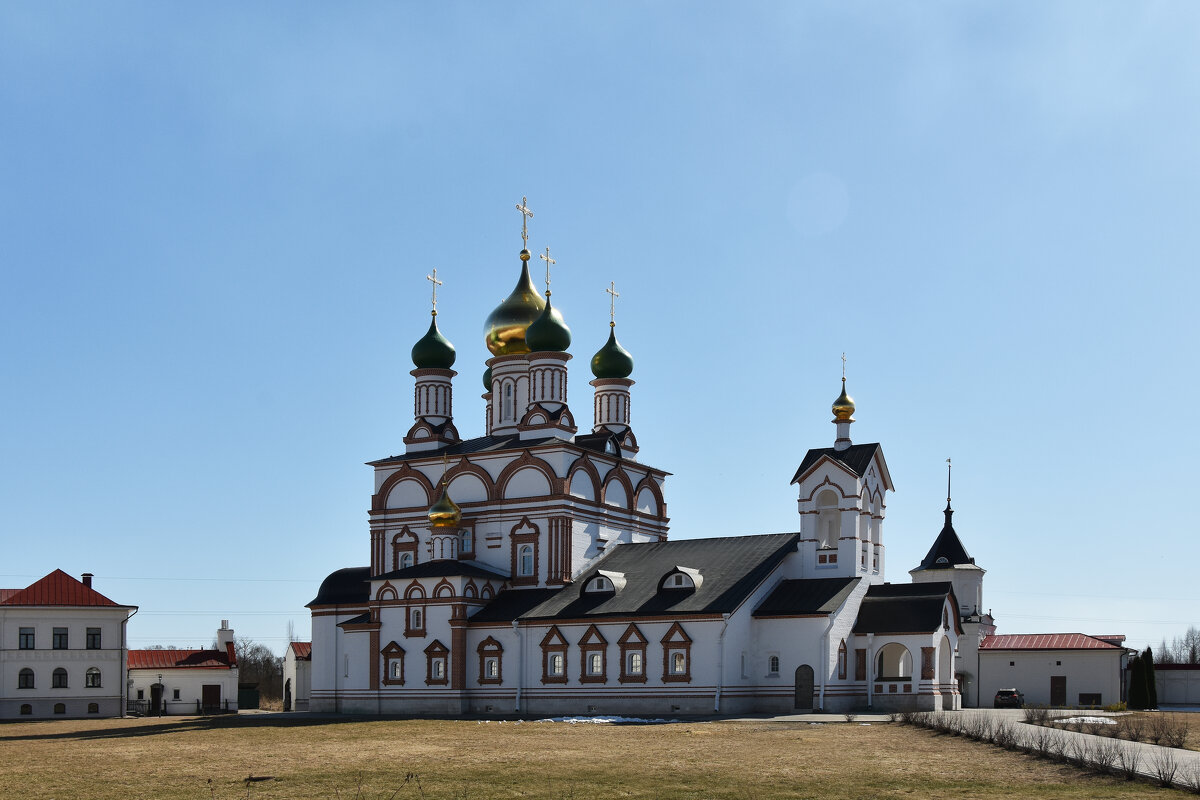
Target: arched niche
[(527, 482), (582, 485), (407, 493), (647, 503), (467, 488)]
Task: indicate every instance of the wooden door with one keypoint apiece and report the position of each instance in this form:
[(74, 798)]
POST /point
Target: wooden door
[(210, 696), (804, 688), (156, 698), (1058, 690)]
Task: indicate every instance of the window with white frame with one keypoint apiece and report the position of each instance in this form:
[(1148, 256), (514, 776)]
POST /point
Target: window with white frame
[(91, 678), (58, 679), (773, 665), (25, 679), (525, 560)]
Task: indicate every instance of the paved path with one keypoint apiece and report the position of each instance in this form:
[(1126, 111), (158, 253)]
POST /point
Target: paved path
[(1149, 755)]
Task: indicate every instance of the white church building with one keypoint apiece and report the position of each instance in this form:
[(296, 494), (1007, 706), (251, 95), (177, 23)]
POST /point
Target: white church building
[(529, 570)]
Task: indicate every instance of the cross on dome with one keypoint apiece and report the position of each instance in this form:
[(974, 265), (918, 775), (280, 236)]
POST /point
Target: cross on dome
[(436, 283), (612, 303), (546, 257), (526, 215)]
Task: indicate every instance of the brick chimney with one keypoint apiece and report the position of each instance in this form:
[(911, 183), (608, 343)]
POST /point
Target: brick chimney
[(87, 579)]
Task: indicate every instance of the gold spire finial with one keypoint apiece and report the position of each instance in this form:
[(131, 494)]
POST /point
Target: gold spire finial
[(843, 407), (843, 367), (546, 257), (436, 283), (612, 303), (526, 215)]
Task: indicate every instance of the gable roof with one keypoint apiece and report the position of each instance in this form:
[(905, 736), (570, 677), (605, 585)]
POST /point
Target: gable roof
[(590, 443), (731, 567), (58, 589), (1046, 641), (811, 596), (179, 659), (302, 650), (947, 550), (856, 458), (347, 586), (905, 608)]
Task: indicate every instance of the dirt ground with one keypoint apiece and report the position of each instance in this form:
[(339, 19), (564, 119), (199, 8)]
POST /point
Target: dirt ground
[(287, 757)]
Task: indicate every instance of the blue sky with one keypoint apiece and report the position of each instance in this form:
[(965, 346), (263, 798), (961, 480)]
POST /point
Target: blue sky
[(216, 219)]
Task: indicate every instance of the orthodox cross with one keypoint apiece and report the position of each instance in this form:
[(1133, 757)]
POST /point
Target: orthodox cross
[(526, 215), (612, 303), (843, 367), (445, 468), (947, 482), (546, 257), (436, 283)]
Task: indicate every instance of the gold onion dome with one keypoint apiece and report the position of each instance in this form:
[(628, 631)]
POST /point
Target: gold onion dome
[(612, 360), (549, 332), (444, 513), (843, 407), (433, 351), (505, 327)]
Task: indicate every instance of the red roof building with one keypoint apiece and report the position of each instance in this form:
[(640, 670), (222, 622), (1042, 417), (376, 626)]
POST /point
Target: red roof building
[(1047, 641)]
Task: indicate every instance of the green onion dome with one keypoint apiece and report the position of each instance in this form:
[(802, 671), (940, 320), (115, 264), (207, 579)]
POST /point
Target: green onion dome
[(612, 360), (487, 379), (433, 351), (505, 326), (548, 333)]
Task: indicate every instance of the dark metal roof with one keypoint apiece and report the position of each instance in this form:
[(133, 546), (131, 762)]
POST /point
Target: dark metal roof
[(442, 569), (513, 603), (903, 608), (477, 445), (361, 619), (813, 596), (730, 568), (349, 586), (856, 458), (947, 550)]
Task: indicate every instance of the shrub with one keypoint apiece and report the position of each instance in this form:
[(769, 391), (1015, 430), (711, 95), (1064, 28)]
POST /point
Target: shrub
[(1175, 733), (850, 716), (1128, 759), (1104, 754), (1133, 727), (1165, 765)]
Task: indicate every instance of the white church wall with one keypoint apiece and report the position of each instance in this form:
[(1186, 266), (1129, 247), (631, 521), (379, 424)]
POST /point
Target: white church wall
[(183, 687)]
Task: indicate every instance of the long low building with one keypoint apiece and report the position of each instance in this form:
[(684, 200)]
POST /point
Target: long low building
[(1056, 669), (185, 681)]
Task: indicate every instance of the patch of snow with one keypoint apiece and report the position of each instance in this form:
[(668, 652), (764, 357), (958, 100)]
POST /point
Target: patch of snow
[(610, 720), (1085, 721)]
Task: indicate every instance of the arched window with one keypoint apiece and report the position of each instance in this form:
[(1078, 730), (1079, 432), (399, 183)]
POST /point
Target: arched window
[(507, 407), (58, 679), (842, 661), (93, 708), (25, 679), (406, 560), (91, 678), (466, 542), (525, 560), (599, 584), (26, 710), (60, 708), (773, 665), (680, 580), (827, 519), (678, 663)]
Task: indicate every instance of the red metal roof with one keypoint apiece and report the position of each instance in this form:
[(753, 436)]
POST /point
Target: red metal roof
[(176, 659), (57, 589), (1045, 641), (7, 593), (303, 650)]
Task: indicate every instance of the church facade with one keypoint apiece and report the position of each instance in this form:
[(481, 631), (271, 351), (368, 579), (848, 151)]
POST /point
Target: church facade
[(529, 570)]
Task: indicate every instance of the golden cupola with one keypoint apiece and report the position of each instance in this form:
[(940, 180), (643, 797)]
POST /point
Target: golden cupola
[(444, 513), (506, 325), (843, 407)]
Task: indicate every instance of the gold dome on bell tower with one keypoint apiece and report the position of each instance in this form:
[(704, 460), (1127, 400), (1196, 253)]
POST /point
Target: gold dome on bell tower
[(444, 513), (843, 407), (505, 327)]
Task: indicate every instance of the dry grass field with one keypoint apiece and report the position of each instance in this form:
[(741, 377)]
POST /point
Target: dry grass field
[(207, 758)]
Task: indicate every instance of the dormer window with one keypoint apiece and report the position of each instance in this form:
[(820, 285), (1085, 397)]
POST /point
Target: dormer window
[(942, 561), (610, 447), (679, 581), (682, 578), (599, 584)]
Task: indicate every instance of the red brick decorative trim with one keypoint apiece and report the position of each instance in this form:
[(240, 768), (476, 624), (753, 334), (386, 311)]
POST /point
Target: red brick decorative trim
[(465, 467), (585, 464), (554, 644), (649, 483), (490, 649), (393, 664), (387, 592), (524, 533), (406, 472), (433, 653), (592, 644), (527, 460), (618, 474), (675, 642), (632, 643)]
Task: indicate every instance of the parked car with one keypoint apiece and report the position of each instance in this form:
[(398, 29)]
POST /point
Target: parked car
[(1009, 698)]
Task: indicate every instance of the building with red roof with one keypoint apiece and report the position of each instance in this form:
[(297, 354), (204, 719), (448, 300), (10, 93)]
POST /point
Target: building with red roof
[(297, 676), (62, 650), (1058, 669), (185, 681)]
